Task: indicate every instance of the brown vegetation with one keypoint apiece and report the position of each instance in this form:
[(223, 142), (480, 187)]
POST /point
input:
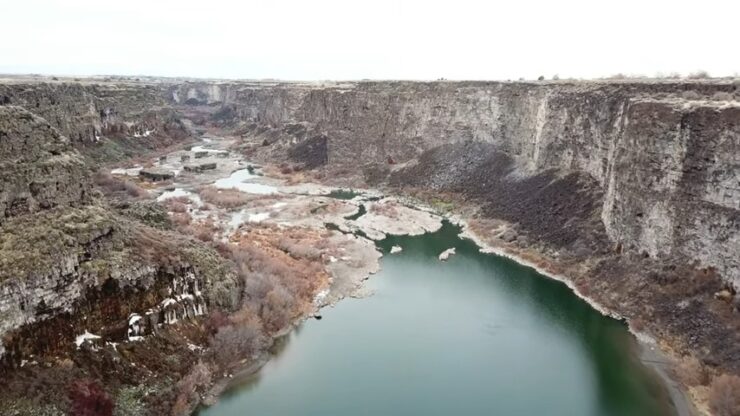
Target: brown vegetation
[(691, 372), (178, 204), (198, 377), (113, 186), (223, 198), (282, 273), (724, 395), (87, 398), (205, 231), (387, 209)]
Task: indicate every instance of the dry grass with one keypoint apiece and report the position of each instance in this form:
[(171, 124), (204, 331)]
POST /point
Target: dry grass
[(112, 186), (387, 209), (205, 231), (223, 198), (178, 204), (181, 219)]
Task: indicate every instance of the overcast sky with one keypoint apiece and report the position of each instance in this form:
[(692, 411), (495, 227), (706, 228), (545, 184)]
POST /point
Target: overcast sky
[(378, 39)]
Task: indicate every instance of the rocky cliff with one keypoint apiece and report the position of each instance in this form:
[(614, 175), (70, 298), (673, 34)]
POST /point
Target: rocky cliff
[(77, 274), (663, 157), (40, 169), (107, 121)]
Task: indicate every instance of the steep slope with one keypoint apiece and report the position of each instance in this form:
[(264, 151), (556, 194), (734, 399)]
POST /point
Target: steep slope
[(106, 121), (76, 275)]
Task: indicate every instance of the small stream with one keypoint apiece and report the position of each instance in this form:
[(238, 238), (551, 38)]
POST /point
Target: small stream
[(476, 335)]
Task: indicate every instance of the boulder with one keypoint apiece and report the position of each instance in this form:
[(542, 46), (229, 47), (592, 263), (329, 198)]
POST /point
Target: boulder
[(156, 175), (200, 167)]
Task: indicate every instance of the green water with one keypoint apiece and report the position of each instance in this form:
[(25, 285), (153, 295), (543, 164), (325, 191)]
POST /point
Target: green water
[(477, 335)]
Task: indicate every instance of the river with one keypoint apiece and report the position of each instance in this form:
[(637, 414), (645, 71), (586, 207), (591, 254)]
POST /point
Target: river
[(476, 335)]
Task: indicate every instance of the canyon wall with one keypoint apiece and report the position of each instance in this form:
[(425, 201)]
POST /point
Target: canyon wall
[(70, 262), (665, 156), (106, 121)]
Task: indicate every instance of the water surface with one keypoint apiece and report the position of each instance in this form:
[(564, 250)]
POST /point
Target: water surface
[(476, 335)]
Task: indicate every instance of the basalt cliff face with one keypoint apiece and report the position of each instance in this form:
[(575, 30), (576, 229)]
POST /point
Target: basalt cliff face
[(661, 160), (106, 121), (77, 271)]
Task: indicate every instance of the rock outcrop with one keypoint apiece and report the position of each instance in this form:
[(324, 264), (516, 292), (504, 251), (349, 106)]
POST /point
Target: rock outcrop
[(106, 121), (69, 263), (40, 169)]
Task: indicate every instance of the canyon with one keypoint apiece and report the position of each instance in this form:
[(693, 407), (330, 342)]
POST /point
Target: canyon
[(627, 190)]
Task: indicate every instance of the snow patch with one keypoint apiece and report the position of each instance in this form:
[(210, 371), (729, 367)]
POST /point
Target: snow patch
[(127, 171), (203, 149), (237, 181), (259, 217), (179, 192), (87, 336), (446, 254)]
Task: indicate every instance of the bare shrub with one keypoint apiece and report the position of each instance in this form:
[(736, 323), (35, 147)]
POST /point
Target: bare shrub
[(181, 219), (87, 398), (224, 249), (110, 185), (235, 342), (724, 395), (278, 286), (223, 198), (177, 204), (205, 234), (637, 324), (299, 249), (198, 376), (205, 231), (216, 320), (690, 372)]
